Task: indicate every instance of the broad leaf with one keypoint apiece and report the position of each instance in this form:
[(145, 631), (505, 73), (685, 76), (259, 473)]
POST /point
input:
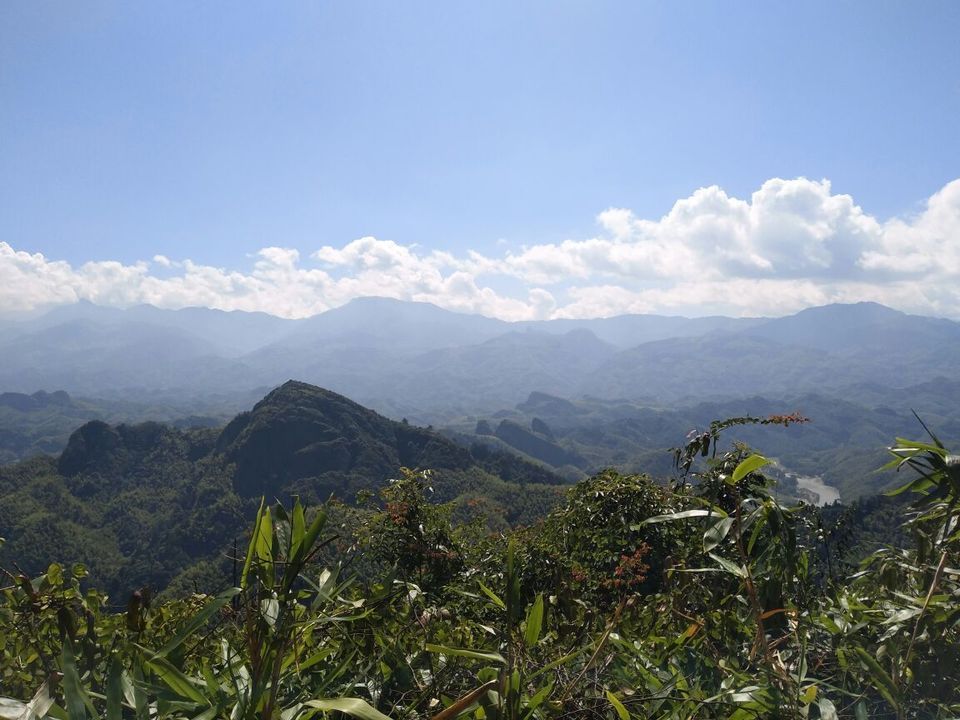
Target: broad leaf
[(747, 466)]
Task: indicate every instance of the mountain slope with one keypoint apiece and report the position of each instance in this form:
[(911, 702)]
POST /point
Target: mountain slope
[(142, 504), (299, 431), (820, 349)]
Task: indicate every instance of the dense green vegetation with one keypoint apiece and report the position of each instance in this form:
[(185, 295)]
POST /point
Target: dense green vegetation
[(154, 505), (704, 599)]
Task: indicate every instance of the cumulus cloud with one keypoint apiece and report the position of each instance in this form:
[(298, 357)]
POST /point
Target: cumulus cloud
[(791, 244)]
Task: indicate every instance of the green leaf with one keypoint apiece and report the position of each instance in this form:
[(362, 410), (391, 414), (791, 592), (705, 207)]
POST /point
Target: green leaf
[(313, 532), (73, 691), (176, 680), (492, 595), (618, 706), (464, 652), (556, 663), (55, 574), (301, 549), (298, 528), (303, 665), (264, 544), (213, 685), (682, 515), (301, 554), (747, 466), (351, 706), (534, 622), (538, 698), (881, 680), (209, 714), (252, 547), (512, 590), (730, 567), (115, 690), (716, 533), (133, 687)]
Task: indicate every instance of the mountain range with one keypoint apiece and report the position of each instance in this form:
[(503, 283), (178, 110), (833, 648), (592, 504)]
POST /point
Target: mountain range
[(617, 391), (418, 361)]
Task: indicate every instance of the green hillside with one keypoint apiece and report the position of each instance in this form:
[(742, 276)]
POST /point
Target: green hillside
[(844, 443), (155, 505)]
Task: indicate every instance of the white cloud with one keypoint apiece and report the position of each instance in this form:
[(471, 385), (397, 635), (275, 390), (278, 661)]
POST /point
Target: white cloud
[(792, 244), (28, 281)]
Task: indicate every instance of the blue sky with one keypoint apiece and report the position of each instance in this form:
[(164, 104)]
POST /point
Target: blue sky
[(209, 132)]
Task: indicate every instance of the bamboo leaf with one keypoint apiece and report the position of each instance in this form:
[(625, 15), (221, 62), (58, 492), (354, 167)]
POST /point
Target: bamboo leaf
[(176, 680), (492, 595), (466, 653), (301, 553), (682, 515), (534, 622), (133, 687), (298, 528), (622, 712), (115, 690), (538, 698), (252, 547), (716, 533), (11, 709), (264, 536), (729, 566), (313, 532), (881, 680), (351, 706), (73, 691)]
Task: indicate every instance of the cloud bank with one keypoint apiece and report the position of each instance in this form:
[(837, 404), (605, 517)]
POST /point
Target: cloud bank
[(791, 245)]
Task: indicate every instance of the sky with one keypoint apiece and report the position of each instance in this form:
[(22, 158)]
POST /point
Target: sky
[(519, 160)]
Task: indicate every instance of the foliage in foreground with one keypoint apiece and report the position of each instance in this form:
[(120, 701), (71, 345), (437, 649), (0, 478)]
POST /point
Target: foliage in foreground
[(701, 600)]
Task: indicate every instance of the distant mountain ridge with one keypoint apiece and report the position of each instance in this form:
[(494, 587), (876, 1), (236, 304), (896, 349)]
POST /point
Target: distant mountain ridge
[(420, 361)]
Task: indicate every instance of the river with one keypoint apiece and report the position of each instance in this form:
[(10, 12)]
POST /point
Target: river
[(826, 494)]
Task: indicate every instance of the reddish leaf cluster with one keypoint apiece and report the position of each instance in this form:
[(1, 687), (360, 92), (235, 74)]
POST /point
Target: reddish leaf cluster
[(785, 420), (631, 571), (398, 512)]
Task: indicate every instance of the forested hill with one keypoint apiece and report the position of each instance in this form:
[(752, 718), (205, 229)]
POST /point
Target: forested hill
[(150, 504)]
